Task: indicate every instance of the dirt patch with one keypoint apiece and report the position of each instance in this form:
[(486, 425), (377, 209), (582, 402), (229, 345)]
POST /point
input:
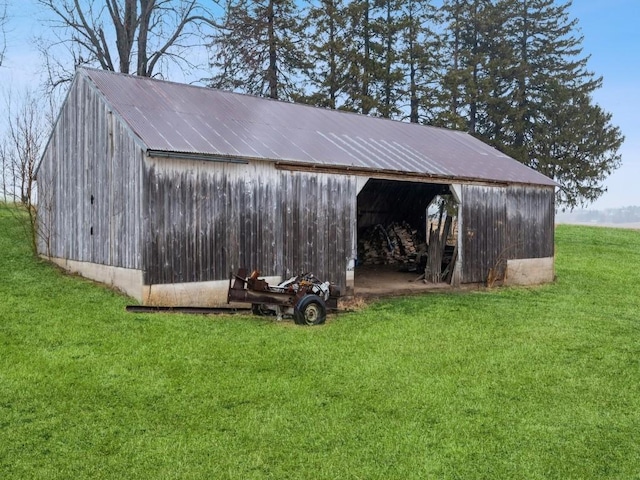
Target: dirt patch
[(390, 280)]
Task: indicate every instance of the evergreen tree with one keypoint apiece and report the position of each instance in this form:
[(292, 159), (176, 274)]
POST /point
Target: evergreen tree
[(371, 57), (420, 60), (575, 143), (387, 73), (359, 63), (516, 79), (463, 84), (260, 49), (552, 123), (353, 47), (493, 74), (326, 30)]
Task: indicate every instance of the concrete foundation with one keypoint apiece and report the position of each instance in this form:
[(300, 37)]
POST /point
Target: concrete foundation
[(126, 280), (368, 281), (193, 294), (530, 271), (130, 282)]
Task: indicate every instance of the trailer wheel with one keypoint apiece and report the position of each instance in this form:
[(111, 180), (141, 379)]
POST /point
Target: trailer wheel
[(310, 310)]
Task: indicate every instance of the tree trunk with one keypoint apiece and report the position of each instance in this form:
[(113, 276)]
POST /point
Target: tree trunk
[(273, 55)]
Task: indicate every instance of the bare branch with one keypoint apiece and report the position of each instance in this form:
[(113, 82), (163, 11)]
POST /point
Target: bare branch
[(143, 34), (20, 150), (185, 20), (23, 142), (3, 33)]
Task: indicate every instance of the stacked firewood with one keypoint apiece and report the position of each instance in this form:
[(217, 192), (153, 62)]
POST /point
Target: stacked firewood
[(395, 243)]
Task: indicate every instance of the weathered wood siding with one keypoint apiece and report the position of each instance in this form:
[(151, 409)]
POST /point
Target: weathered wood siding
[(531, 217), (502, 223), (319, 227), (89, 184), (101, 200), (207, 219), (484, 230)]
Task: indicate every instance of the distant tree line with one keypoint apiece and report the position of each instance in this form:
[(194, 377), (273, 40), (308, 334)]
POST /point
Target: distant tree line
[(510, 72), (608, 216)]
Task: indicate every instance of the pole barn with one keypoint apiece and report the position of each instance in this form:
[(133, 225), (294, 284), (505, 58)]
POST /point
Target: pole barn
[(162, 189)]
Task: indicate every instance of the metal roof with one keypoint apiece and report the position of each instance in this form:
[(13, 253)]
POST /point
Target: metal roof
[(177, 118)]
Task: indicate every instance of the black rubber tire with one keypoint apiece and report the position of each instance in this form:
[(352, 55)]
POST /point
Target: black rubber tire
[(310, 310)]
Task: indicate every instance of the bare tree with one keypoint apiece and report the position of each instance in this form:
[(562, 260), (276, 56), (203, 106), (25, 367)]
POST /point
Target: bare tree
[(127, 36), (3, 33), (20, 150), (5, 161), (25, 137)]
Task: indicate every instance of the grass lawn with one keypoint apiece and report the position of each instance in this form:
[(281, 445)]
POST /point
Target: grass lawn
[(510, 383)]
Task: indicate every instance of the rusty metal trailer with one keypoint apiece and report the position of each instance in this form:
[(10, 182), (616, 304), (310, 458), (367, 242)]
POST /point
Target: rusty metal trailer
[(303, 297)]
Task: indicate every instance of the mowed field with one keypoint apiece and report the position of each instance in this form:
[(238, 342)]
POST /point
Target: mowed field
[(509, 383)]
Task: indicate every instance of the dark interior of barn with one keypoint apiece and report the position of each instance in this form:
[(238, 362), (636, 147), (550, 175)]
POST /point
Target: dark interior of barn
[(397, 221)]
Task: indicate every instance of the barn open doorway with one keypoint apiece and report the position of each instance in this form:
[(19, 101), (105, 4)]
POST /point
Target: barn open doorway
[(406, 237)]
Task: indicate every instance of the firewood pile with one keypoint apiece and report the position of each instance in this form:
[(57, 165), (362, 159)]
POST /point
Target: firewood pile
[(395, 244)]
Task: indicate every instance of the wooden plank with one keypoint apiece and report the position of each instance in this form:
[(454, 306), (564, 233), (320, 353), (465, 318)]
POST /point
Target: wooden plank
[(76, 165), (484, 227), (185, 220)]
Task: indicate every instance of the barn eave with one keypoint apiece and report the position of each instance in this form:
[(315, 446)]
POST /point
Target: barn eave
[(295, 165)]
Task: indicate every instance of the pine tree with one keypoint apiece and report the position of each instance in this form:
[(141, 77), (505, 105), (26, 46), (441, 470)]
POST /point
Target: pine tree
[(387, 75), (575, 143), (260, 50), (353, 47), (359, 63), (463, 89), (552, 123), (517, 80), (420, 60), (372, 57), (326, 30)]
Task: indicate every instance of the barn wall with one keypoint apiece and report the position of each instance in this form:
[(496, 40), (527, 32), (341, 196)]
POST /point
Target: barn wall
[(89, 185), (484, 230), (319, 212), (503, 223), (206, 219), (531, 217)]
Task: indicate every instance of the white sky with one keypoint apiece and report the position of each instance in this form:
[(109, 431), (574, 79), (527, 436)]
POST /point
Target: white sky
[(611, 36)]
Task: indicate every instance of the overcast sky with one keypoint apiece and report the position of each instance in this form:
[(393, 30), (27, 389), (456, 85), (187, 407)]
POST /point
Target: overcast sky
[(611, 37)]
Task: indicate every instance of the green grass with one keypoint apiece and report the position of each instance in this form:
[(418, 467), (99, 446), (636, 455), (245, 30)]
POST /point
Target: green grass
[(509, 383)]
